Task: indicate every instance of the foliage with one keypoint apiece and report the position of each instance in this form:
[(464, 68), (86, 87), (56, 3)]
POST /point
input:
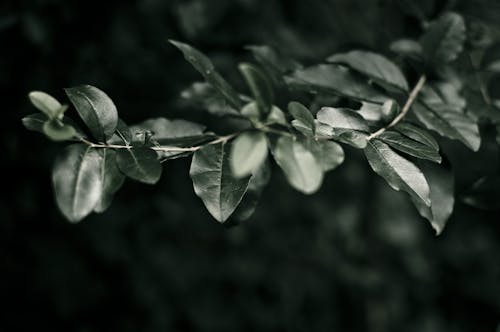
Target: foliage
[(394, 135)]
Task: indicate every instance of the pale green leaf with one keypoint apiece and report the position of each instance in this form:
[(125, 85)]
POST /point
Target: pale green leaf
[(303, 116), (45, 103), (248, 152), (302, 170), (342, 118), (58, 131)]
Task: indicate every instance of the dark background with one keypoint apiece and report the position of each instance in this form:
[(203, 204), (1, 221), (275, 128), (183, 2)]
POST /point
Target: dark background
[(353, 257)]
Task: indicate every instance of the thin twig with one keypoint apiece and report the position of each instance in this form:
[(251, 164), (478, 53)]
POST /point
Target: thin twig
[(220, 139), (411, 98)]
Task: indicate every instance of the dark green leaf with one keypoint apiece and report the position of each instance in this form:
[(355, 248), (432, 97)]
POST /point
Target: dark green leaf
[(399, 173), (275, 64), (442, 186), (139, 163), (214, 181), (179, 133), (302, 170), (303, 116), (122, 134), (205, 67), (373, 65), (342, 118), (96, 109), (449, 122), (333, 79), (258, 182), (203, 95), (248, 152), (444, 39), (409, 146), (162, 128), (111, 178), (260, 87), (417, 134), (77, 181)]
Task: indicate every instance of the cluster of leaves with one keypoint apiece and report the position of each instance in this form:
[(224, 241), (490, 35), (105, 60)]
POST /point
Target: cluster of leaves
[(394, 125)]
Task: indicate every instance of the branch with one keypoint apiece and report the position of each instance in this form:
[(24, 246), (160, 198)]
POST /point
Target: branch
[(220, 139), (411, 98)]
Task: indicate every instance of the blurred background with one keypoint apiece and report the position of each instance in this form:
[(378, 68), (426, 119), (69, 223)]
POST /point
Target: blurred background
[(353, 257)]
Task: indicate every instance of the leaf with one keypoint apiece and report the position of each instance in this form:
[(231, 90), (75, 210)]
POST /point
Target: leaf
[(442, 187), (122, 134), (302, 170), (303, 116), (342, 118), (259, 86), (139, 163), (162, 128), (329, 154), (333, 79), (36, 121), (205, 67), (179, 133), (203, 95), (248, 152), (399, 173), (444, 39), (214, 182), (111, 178), (275, 64), (258, 181), (409, 146), (96, 109), (267, 55), (417, 134), (449, 122), (77, 181), (373, 65), (58, 131), (352, 137), (276, 116), (45, 103)]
